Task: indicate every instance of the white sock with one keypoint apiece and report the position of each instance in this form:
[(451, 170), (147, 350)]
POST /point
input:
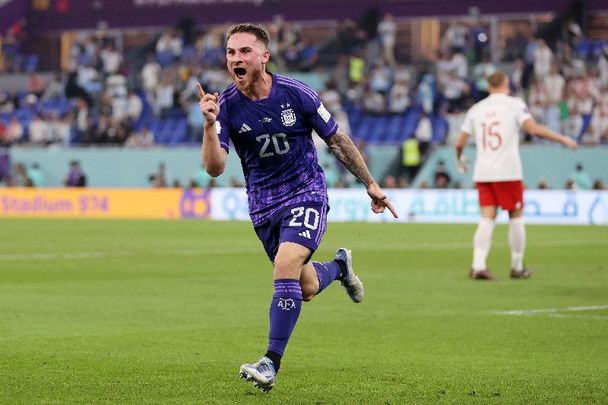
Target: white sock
[(517, 241), (482, 240)]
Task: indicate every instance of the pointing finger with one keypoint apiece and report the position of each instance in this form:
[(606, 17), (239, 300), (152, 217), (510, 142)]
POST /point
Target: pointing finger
[(199, 89)]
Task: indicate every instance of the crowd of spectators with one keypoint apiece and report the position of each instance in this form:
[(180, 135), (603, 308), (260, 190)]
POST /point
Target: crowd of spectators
[(105, 99)]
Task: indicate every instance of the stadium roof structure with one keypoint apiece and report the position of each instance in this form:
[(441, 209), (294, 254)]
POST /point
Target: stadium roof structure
[(78, 14)]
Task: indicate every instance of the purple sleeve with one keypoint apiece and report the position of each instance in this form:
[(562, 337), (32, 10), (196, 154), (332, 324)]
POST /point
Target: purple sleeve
[(222, 128), (320, 119)]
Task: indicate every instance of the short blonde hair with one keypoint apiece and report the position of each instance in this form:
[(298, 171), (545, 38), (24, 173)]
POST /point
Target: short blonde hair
[(497, 79)]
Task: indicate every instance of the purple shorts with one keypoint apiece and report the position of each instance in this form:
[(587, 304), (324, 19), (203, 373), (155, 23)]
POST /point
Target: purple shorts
[(302, 223)]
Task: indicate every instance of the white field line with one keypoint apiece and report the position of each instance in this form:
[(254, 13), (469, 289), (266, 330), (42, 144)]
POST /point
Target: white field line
[(568, 312), (220, 251), (100, 254)]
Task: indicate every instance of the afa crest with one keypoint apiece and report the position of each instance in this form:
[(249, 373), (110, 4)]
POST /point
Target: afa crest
[(288, 117)]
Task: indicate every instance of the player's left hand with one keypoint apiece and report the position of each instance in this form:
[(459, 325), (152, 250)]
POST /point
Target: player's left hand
[(379, 200), (569, 142)]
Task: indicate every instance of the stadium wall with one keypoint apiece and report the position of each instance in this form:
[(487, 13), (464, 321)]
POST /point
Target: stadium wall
[(122, 167), (552, 163), (131, 168)]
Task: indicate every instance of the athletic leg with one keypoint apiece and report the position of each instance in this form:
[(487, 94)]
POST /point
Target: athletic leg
[(482, 242), (284, 312), (517, 243)]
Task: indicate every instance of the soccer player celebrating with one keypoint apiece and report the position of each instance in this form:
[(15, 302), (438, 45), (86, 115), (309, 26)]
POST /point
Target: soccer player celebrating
[(495, 123), (269, 119)]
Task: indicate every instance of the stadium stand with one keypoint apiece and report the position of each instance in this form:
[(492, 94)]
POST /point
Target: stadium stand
[(440, 75)]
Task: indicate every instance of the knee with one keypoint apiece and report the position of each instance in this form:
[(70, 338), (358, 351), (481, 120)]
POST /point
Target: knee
[(307, 297), (309, 290)]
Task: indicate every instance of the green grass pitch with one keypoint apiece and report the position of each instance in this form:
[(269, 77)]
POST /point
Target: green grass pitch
[(95, 311)]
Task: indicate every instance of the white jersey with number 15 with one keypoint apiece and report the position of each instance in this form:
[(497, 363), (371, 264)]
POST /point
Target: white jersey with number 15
[(495, 124)]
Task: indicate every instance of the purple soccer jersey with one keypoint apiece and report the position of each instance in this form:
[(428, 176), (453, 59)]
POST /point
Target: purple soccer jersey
[(273, 138)]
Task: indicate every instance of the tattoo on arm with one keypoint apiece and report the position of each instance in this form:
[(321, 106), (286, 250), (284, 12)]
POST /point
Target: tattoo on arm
[(347, 153)]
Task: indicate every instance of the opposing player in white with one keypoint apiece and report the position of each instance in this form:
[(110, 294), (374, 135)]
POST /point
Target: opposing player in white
[(495, 123)]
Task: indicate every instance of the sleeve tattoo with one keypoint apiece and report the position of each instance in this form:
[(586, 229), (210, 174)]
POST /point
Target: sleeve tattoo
[(347, 153)]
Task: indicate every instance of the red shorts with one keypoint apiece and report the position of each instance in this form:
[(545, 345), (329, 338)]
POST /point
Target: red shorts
[(509, 195)]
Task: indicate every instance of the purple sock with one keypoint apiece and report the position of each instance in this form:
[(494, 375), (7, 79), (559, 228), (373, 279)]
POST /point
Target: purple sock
[(326, 273), (284, 312)]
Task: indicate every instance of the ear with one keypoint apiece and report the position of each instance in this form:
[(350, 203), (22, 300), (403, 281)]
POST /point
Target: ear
[(266, 56)]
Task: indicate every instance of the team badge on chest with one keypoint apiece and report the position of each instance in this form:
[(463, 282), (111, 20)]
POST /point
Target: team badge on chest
[(288, 116)]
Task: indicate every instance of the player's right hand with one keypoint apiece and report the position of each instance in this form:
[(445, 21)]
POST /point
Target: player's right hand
[(209, 105), (462, 164)]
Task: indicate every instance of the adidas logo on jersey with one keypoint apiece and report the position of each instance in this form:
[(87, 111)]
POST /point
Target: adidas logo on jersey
[(244, 128), (305, 234)]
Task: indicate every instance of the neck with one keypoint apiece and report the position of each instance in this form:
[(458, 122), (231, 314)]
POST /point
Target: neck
[(260, 88), (499, 90)]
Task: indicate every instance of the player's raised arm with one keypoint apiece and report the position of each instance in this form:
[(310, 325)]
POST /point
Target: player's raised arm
[(347, 153), (534, 128), (214, 156)]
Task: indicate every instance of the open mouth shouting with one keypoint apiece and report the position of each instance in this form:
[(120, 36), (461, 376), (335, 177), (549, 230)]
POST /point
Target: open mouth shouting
[(240, 73)]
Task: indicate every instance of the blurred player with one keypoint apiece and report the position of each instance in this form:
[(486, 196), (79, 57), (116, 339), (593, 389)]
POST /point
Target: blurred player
[(495, 124), (269, 119)]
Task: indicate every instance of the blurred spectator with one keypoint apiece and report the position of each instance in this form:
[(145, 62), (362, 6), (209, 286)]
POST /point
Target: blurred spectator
[(479, 40), (380, 77), (3, 140), (111, 59), (542, 184), (399, 97), (599, 185), (387, 32), (481, 71), (426, 94), (150, 76), (602, 66), (19, 177), (36, 85), (61, 129), (374, 102), (76, 176), (441, 176), (144, 138), (13, 133), (39, 131), (455, 91), (74, 90), (543, 58), (159, 179), (169, 45), (516, 78), (56, 88), (455, 37), (36, 175), (356, 67), (135, 107), (7, 103), (389, 181), (424, 133), (581, 179), (82, 121), (410, 159), (599, 122)]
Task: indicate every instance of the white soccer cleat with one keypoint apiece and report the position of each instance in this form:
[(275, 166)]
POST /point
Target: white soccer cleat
[(262, 374), (350, 281)]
